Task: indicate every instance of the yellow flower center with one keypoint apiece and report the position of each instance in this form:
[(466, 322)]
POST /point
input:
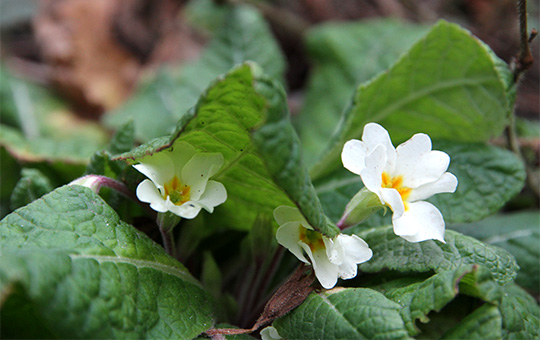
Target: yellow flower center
[(396, 183), (312, 238), (178, 193)]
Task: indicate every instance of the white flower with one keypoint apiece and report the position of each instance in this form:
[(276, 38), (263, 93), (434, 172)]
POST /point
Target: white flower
[(179, 181), (270, 333), (402, 178), (330, 258)]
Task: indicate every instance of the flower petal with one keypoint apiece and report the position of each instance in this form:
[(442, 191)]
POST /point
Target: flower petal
[(159, 168), (325, 271), (189, 209), (214, 195), (270, 333), (373, 135), (392, 198), (284, 214), (355, 251), (446, 183), (181, 153), (375, 165), (422, 221), (197, 171), (417, 163), (353, 156), (288, 235), (148, 193)]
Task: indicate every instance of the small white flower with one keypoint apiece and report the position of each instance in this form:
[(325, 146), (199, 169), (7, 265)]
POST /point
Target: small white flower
[(270, 333), (402, 178), (330, 258), (179, 181)]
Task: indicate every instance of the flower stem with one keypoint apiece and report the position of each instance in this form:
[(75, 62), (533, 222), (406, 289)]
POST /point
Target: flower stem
[(166, 222)]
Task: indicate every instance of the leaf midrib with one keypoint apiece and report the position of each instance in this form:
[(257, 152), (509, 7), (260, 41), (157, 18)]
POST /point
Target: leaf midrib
[(427, 91), (171, 270)]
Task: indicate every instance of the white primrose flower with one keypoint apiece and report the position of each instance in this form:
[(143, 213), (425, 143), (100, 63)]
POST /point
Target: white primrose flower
[(330, 258), (179, 181), (402, 178)]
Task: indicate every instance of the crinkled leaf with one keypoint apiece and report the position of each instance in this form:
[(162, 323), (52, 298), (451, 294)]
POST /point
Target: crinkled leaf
[(520, 314), (87, 274), (448, 86), (246, 119), (483, 323), (519, 234), (354, 313), (394, 253), (488, 177), (32, 185), (345, 55), (418, 299), (160, 102)]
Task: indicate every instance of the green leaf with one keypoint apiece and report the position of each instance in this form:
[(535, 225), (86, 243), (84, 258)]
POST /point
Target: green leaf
[(459, 250), (335, 190), (86, 274), (161, 101), (32, 185), (37, 127), (516, 232), (418, 299), (487, 178), (345, 55), (447, 86), (358, 313), (483, 323), (8, 180), (520, 314), (245, 118)]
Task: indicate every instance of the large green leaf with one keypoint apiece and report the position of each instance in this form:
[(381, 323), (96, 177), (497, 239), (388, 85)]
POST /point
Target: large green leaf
[(245, 118), (519, 234), (358, 313), (448, 85), (394, 253), (420, 298), (483, 323), (488, 177), (520, 314), (160, 102), (83, 273), (345, 55)]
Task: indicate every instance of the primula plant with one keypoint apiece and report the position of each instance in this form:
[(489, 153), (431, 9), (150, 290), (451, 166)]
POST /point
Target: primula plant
[(213, 213)]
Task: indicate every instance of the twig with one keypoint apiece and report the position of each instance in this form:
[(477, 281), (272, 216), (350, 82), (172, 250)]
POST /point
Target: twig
[(525, 59), (290, 295)]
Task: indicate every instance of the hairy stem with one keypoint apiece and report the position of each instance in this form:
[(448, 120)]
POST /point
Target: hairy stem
[(166, 222)]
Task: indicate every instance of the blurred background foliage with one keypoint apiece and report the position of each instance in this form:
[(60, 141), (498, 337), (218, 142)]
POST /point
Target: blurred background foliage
[(75, 72)]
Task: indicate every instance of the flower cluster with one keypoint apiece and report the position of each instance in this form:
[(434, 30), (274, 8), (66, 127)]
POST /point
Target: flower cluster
[(179, 181), (403, 178), (330, 258), (400, 178)]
